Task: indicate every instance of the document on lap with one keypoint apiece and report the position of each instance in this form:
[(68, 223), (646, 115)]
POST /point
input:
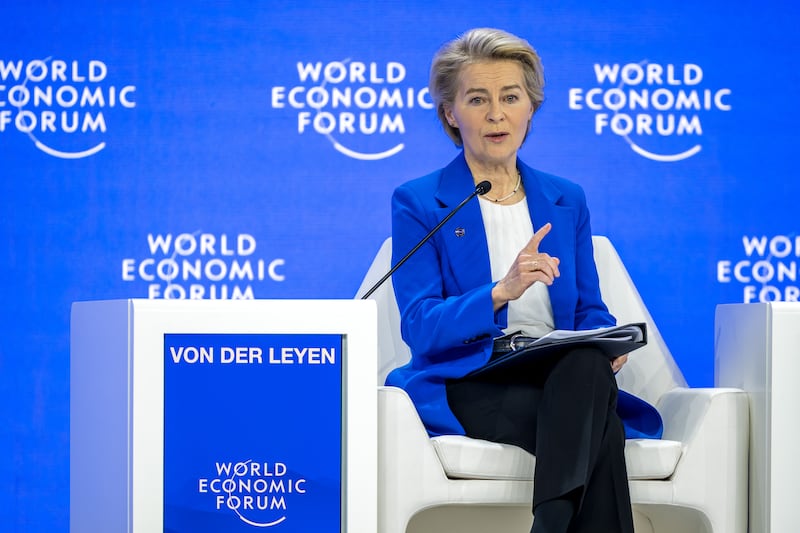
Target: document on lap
[(613, 341), (636, 332)]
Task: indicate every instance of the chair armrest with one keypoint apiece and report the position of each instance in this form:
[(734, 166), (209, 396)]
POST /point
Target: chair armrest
[(404, 448), (410, 475), (713, 426), (685, 411)]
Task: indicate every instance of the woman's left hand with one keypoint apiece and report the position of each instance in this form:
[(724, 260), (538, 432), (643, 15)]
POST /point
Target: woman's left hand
[(616, 364)]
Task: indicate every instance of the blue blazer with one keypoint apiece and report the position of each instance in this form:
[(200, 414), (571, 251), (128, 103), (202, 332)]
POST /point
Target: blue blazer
[(444, 290)]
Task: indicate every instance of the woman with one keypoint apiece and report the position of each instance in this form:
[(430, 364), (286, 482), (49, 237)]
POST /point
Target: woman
[(487, 273)]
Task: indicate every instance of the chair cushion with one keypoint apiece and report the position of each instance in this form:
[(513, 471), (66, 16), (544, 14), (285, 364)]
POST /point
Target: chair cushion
[(651, 459), (466, 458)]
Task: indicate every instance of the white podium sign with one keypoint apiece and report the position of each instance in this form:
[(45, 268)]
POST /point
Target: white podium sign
[(223, 416)]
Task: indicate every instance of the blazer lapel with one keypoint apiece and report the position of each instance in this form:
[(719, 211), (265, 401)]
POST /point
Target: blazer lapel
[(543, 198), (543, 205), (464, 236)]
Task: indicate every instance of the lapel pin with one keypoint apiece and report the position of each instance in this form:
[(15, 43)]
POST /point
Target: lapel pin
[(460, 232)]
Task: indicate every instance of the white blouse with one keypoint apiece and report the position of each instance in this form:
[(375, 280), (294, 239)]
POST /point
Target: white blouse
[(508, 230)]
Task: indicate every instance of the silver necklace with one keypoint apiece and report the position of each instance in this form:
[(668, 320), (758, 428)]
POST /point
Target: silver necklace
[(509, 195)]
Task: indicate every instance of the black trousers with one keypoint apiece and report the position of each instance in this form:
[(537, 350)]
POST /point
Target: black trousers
[(562, 410)]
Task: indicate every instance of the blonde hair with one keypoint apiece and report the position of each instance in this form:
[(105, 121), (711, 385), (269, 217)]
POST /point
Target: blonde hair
[(481, 44)]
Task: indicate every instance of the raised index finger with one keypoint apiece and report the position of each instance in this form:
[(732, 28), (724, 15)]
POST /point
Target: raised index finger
[(533, 244)]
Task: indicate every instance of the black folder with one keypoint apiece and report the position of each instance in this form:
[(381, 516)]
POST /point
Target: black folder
[(612, 341)]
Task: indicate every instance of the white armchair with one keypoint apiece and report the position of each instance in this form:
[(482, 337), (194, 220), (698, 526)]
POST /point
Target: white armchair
[(693, 480)]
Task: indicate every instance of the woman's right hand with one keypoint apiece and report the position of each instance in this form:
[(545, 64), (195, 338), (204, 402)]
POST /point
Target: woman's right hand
[(529, 267)]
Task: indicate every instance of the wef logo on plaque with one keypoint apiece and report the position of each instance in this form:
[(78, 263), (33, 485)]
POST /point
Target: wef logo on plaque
[(253, 433), (255, 492)]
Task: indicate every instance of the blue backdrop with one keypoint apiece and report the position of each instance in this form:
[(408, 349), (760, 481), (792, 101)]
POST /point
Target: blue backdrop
[(249, 149)]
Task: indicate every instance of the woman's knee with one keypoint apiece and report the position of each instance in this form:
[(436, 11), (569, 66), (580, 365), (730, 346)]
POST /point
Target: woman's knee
[(589, 361)]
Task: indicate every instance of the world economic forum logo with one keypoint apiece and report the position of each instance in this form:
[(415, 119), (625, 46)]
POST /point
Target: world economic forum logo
[(359, 107), (260, 494), (657, 109), (201, 265), (765, 270), (62, 106)]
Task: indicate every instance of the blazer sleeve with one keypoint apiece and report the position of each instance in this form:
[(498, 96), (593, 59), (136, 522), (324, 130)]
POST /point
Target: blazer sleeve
[(439, 322)]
